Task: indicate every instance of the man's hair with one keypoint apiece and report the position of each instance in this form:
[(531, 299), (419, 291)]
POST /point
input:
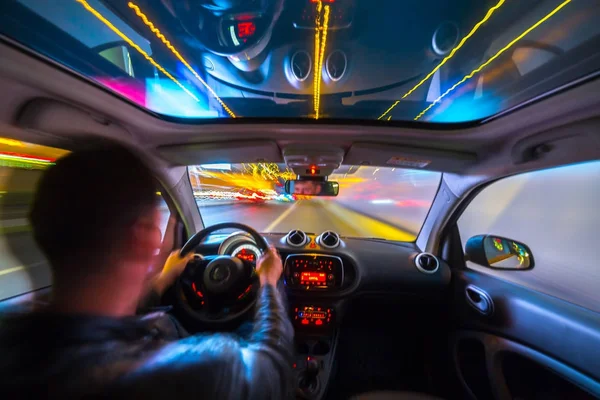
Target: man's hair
[(87, 202)]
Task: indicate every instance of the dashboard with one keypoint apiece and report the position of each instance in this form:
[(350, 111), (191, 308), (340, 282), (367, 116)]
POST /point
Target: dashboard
[(329, 266)]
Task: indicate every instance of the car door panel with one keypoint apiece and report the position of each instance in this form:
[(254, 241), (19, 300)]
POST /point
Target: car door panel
[(525, 330)]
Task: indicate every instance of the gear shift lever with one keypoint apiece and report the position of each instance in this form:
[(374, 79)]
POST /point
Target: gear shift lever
[(309, 381), (312, 369)]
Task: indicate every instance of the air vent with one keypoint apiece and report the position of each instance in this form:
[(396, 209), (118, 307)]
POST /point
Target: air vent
[(296, 238), (445, 38), (301, 65), (336, 65), (329, 239), (427, 263)]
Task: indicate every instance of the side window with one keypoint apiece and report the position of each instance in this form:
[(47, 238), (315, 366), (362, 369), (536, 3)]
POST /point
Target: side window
[(23, 268), (556, 212)]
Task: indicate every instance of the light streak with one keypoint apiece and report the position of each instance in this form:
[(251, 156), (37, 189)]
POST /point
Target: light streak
[(173, 50), (495, 56), (464, 40), (320, 44), (106, 22)]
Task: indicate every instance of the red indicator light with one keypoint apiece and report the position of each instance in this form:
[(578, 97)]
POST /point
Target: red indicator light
[(246, 29), (245, 292), (304, 321), (318, 322)]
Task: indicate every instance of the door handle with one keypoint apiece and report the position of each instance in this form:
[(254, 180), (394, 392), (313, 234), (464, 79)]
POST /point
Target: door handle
[(479, 300)]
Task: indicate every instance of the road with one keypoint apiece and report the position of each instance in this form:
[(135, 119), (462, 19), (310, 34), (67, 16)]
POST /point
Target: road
[(314, 216), (23, 267)]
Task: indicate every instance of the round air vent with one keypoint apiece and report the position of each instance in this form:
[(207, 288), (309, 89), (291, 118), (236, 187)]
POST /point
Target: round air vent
[(445, 38), (427, 263), (296, 238), (329, 239), (336, 65), (301, 65)]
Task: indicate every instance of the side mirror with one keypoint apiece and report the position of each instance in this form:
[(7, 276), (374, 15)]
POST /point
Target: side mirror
[(498, 253), (312, 188)]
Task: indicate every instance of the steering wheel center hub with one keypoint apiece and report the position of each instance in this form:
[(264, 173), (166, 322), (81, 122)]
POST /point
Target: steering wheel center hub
[(222, 273)]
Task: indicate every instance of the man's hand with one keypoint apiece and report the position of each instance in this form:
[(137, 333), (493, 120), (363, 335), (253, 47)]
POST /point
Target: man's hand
[(269, 267), (172, 269)]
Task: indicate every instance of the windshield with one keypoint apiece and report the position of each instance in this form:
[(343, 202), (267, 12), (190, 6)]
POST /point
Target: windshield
[(373, 202), (412, 60)]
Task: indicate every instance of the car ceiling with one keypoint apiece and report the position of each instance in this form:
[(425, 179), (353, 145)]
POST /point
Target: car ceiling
[(43, 103)]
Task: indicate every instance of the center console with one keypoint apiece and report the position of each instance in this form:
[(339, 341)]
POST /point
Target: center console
[(313, 281), (315, 347)]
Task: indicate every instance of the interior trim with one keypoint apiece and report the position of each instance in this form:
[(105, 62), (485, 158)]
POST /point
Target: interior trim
[(496, 347)]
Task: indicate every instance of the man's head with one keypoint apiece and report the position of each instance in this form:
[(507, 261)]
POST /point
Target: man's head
[(94, 208), (307, 187)]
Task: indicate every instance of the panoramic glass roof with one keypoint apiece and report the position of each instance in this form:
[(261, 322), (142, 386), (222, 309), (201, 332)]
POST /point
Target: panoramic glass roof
[(390, 60)]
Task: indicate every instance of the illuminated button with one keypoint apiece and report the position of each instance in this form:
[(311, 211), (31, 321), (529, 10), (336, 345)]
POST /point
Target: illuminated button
[(296, 274), (330, 277), (318, 322), (304, 321)]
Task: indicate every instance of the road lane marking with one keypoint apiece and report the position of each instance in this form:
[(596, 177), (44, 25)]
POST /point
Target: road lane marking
[(283, 216), (21, 267), (369, 227)]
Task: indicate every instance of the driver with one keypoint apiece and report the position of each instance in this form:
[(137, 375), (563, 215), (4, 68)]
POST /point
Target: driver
[(96, 219), (307, 187)]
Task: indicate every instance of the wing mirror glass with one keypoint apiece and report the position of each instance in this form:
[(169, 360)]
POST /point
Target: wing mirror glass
[(498, 253)]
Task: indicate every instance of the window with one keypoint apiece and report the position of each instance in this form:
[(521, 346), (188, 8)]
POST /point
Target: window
[(23, 267), (373, 202), (556, 213)]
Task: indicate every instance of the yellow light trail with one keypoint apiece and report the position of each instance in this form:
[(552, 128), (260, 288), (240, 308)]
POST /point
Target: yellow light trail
[(11, 142), (320, 44), (487, 16), (113, 28), (317, 76), (167, 43), (495, 56)]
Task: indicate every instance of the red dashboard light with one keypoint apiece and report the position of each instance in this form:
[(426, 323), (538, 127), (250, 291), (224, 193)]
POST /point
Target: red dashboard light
[(312, 277), (304, 321), (246, 29), (318, 322)]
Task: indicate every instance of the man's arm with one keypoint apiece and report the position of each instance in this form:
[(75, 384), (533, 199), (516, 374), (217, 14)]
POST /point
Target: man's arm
[(271, 348), (220, 365)]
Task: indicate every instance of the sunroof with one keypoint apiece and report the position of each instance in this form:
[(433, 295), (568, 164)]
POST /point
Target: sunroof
[(390, 60)]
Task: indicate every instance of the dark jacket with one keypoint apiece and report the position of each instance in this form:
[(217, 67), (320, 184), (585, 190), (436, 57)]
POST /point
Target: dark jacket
[(46, 355)]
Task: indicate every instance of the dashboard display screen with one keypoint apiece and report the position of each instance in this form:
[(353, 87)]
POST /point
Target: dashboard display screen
[(246, 252), (309, 277), (312, 316), (314, 271)]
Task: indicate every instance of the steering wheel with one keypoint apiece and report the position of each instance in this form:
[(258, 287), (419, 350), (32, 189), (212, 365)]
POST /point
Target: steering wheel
[(218, 290)]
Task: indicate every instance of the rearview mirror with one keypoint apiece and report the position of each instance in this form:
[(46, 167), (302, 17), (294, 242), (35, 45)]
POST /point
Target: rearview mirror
[(312, 188), (498, 253)]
